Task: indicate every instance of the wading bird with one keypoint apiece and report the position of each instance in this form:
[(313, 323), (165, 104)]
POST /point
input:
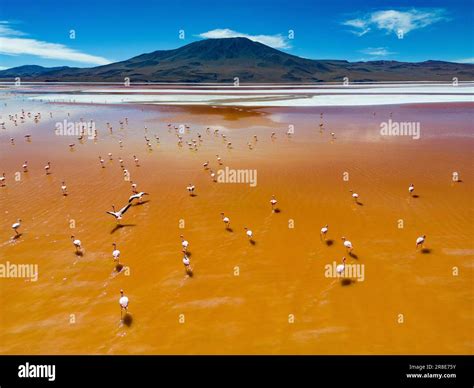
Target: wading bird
[(420, 241), (347, 244), (115, 252), (341, 267), (273, 202), (123, 302), (411, 189), (184, 243), (324, 230), (191, 189), (64, 188), (248, 232), (47, 168), (16, 225), (76, 243), (226, 220), (354, 195)]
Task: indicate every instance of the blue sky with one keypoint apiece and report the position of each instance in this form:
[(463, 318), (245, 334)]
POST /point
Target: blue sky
[(39, 31)]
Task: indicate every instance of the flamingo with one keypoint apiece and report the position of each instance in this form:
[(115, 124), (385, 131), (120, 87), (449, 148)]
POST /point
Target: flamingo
[(134, 188), (137, 196), (186, 262), (324, 230), (136, 159), (255, 137), (25, 166), (420, 241), (354, 195), (76, 243), (2, 180), (411, 189), (110, 155), (123, 302), (118, 215), (249, 233), (219, 160), (226, 220), (184, 243), (213, 176), (273, 202), (347, 244), (341, 267), (64, 188), (47, 168), (115, 252), (206, 165), (101, 161), (191, 189), (16, 225)]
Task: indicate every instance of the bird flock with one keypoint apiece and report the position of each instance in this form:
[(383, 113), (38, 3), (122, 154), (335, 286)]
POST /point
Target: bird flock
[(193, 145)]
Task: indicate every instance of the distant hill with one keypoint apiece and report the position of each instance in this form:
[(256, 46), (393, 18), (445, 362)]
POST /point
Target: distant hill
[(220, 60)]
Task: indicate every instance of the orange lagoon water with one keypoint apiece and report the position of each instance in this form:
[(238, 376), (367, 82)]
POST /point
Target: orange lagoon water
[(271, 297)]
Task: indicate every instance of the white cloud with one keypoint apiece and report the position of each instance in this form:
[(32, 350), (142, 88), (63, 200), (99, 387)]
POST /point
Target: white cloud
[(392, 21), (12, 44), (377, 51), (275, 41), (464, 60)]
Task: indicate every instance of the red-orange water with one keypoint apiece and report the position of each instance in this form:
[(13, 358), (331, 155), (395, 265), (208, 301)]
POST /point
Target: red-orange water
[(271, 297)]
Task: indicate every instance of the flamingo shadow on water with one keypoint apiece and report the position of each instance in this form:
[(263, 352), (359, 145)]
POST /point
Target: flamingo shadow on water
[(17, 236), (120, 226), (229, 229), (79, 253), (329, 242), (346, 282), (189, 272), (353, 255), (141, 203), (118, 267), (415, 196), (277, 210), (253, 242), (426, 251), (359, 203), (127, 319)]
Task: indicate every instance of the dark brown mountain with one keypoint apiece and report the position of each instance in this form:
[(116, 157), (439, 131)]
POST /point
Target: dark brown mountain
[(220, 60)]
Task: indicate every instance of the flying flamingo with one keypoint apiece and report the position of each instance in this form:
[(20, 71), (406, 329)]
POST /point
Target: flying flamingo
[(119, 214), (137, 196)]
